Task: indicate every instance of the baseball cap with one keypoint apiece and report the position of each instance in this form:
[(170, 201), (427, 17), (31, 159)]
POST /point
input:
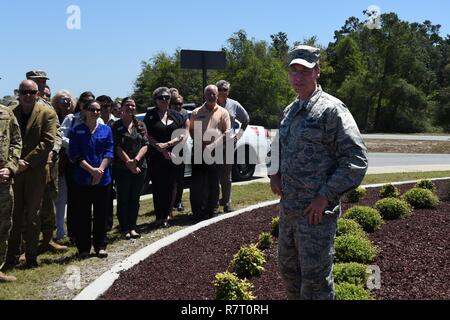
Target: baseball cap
[(36, 74), (305, 55)]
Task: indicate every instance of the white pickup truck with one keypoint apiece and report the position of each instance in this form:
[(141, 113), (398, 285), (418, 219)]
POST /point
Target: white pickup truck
[(250, 150)]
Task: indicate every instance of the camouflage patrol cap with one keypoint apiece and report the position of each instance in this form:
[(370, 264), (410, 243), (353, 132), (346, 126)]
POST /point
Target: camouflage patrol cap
[(305, 55), (34, 74)]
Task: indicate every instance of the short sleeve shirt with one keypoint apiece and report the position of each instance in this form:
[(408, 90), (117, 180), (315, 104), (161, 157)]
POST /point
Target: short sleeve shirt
[(236, 111), (131, 143)]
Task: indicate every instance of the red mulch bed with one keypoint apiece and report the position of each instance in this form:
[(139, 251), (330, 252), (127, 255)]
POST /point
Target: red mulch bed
[(414, 258)]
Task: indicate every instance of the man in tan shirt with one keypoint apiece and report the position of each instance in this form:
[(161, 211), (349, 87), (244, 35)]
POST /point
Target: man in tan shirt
[(208, 126)]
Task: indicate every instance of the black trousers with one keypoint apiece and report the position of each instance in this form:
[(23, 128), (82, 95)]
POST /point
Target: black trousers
[(205, 190), (90, 225), (163, 174), (71, 203), (180, 183)]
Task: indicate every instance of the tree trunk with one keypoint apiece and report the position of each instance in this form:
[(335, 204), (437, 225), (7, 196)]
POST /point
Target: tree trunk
[(380, 96)]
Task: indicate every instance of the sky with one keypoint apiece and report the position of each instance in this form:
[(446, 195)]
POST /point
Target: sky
[(104, 55)]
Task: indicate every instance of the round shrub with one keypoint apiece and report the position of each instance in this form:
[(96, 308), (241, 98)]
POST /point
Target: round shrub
[(392, 208), (248, 262), (264, 241), (389, 191), (275, 225), (369, 218), (229, 287), (355, 273), (420, 198), (351, 248), (426, 184), (349, 291), (348, 226), (356, 195)]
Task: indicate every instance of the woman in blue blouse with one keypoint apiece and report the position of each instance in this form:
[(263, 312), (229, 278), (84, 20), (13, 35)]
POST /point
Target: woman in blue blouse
[(91, 149)]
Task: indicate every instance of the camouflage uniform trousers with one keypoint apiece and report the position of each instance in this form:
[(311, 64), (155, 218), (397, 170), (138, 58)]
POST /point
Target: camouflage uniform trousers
[(305, 254), (48, 208), (6, 210)]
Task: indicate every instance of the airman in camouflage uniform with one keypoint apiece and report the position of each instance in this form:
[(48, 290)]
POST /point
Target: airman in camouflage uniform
[(48, 208), (322, 155), (10, 151)]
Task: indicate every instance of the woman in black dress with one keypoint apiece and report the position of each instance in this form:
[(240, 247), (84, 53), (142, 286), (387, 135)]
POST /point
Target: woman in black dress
[(166, 128)]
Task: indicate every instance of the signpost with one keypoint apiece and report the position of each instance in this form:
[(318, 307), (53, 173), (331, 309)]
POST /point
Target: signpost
[(204, 60)]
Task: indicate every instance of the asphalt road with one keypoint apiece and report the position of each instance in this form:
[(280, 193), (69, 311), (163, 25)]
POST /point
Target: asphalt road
[(397, 162), (404, 137)]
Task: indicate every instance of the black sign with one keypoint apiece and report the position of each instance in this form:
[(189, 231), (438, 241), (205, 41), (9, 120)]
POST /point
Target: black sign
[(197, 59)]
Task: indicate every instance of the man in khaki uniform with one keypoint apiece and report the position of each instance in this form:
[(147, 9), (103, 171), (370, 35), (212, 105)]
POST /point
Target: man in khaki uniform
[(10, 149), (210, 120), (38, 129), (48, 209)]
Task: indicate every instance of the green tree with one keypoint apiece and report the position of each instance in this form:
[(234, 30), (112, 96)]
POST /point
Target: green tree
[(259, 79), (280, 45), (165, 70)]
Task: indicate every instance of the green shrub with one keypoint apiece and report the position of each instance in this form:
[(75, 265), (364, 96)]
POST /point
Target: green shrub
[(348, 226), (248, 262), (229, 287), (356, 195), (369, 218), (355, 273), (389, 191), (275, 225), (264, 241), (426, 184), (351, 248), (349, 291), (420, 198), (392, 208)]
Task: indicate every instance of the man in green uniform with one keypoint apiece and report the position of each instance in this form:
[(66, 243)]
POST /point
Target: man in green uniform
[(10, 150), (38, 129), (48, 209)]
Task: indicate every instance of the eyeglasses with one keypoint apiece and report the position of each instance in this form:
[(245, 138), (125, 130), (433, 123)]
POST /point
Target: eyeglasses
[(28, 92), (294, 73), (223, 89), (46, 95), (93, 110), (165, 98)]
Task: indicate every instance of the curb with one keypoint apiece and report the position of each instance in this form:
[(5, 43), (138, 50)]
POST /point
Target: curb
[(105, 281)]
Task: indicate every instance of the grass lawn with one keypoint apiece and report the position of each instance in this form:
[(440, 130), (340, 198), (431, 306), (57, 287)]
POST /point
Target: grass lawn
[(33, 284)]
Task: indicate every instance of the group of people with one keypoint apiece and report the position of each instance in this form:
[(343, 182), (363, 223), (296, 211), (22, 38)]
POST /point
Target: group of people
[(321, 156), (63, 161)]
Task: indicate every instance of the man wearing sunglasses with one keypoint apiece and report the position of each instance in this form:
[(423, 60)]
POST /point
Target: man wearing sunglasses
[(237, 112), (208, 127), (38, 128), (10, 149), (322, 156), (48, 209)]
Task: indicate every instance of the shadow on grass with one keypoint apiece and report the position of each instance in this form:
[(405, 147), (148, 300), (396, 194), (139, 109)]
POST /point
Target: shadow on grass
[(180, 220)]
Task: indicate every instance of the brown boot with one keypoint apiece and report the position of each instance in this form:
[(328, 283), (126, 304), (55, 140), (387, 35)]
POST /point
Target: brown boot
[(49, 245), (55, 247), (5, 278)]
